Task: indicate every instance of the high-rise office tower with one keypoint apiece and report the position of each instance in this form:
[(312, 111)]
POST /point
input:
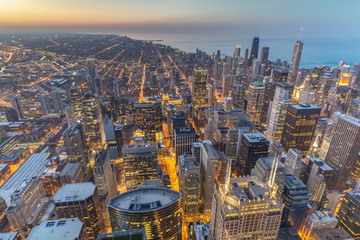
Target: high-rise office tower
[(140, 164), (11, 115), (45, 104), (75, 144), (254, 50), (199, 88), (64, 229), (296, 198), (105, 182), (118, 84), (148, 118), (27, 205), (157, 210), (343, 155), (227, 81), (189, 178), (184, 138), (264, 170), (237, 53), (70, 116), (317, 221), (75, 99), (276, 150), (238, 96), (295, 61), (277, 114), (17, 106), (269, 93), (306, 97), (178, 120), (293, 162), (93, 121), (3, 219), (264, 56), (244, 209), (211, 94), (252, 147), (80, 200), (213, 169), (279, 76), (255, 101), (349, 213), (120, 138), (57, 101), (300, 123), (246, 57), (316, 166)]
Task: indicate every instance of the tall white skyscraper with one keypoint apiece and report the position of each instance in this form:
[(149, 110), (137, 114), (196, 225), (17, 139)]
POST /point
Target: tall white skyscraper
[(277, 114)]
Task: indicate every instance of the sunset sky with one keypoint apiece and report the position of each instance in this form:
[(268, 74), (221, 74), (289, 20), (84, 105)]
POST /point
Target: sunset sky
[(274, 18)]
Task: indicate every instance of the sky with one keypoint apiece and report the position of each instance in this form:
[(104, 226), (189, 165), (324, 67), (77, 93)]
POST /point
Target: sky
[(195, 18)]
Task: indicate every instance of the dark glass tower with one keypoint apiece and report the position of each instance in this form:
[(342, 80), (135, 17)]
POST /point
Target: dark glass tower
[(254, 50)]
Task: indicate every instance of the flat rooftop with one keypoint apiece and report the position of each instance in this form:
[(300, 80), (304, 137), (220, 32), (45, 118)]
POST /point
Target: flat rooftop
[(8, 236), (75, 191), (144, 199), (255, 137), (304, 106), (33, 167), (64, 229)]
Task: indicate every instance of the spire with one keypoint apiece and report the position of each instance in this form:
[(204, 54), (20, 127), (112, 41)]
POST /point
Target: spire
[(301, 29)]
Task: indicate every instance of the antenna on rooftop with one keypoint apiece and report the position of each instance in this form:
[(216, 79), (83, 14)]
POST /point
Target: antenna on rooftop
[(301, 29)]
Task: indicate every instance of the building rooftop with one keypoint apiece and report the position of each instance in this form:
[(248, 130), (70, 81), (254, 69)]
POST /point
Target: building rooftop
[(2, 166), (304, 106), (135, 234), (333, 234), (145, 199), (64, 229), (109, 128), (255, 137), (75, 191), (8, 236), (34, 166), (184, 131), (139, 148)]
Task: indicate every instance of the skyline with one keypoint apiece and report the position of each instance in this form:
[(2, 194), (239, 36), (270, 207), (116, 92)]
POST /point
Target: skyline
[(200, 19)]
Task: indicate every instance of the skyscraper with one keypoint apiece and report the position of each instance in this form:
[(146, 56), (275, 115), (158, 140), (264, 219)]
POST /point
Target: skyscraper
[(277, 114), (295, 61), (75, 99), (148, 118), (300, 123), (80, 200), (105, 182), (255, 101), (17, 106), (45, 104), (213, 169), (189, 178), (184, 137), (252, 147), (264, 56), (140, 164), (70, 115), (254, 50), (157, 210), (28, 197), (296, 198), (342, 155), (238, 95), (349, 213), (58, 105), (244, 209), (199, 88), (293, 162), (75, 144)]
